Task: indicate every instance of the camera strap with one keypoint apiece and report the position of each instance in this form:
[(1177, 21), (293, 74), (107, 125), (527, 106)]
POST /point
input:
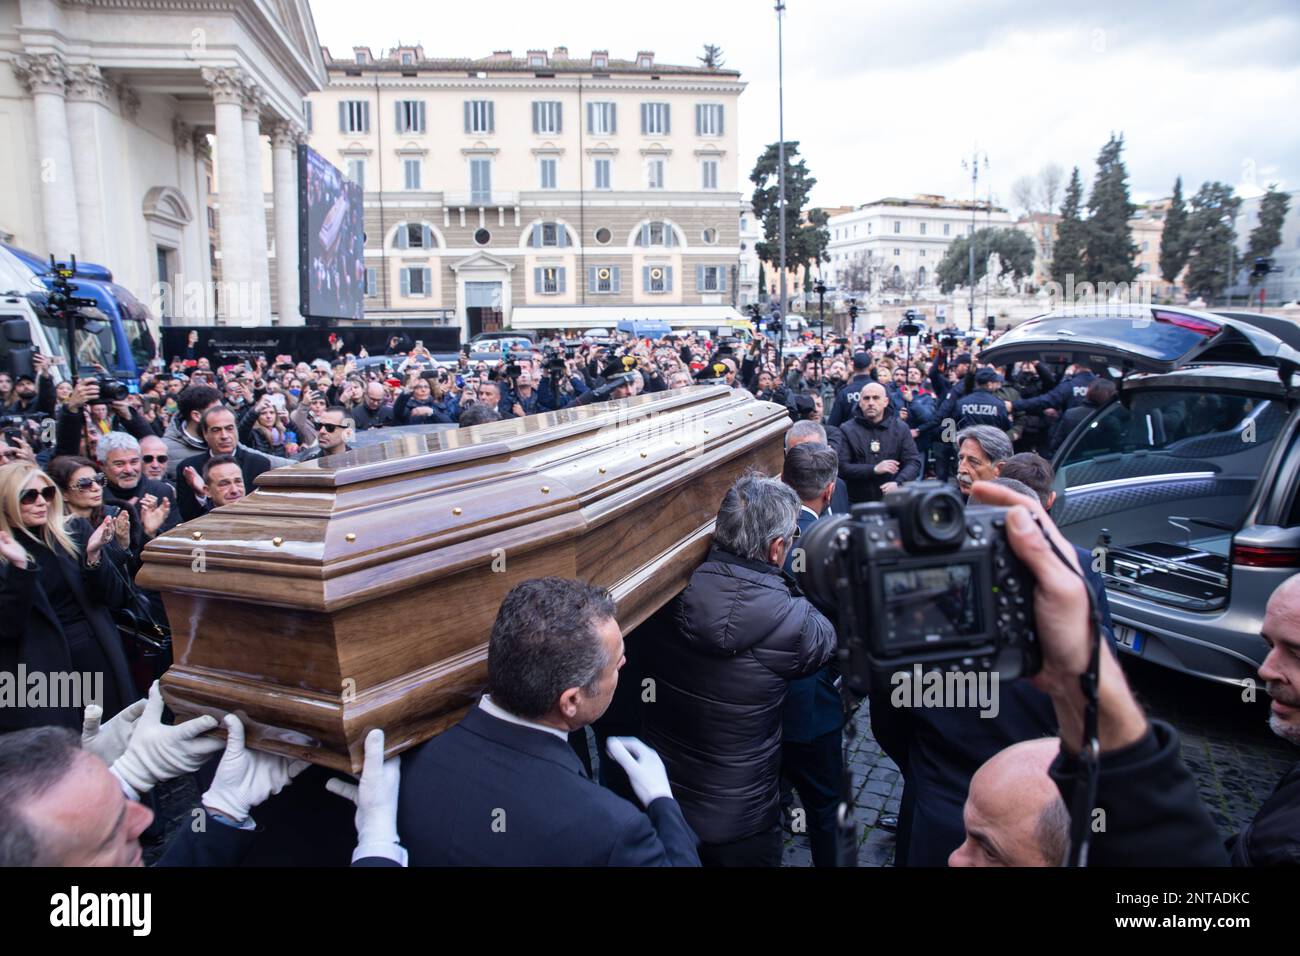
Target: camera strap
[(1088, 765)]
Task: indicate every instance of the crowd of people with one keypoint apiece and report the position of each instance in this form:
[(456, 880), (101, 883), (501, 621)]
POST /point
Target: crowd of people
[(748, 710)]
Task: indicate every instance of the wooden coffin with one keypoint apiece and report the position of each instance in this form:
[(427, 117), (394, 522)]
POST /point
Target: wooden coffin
[(337, 598)]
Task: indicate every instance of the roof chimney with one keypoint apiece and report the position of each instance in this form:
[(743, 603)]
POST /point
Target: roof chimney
[(560, 53)]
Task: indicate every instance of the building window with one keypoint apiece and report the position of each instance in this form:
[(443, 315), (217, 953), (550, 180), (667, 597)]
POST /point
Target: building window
[(655, 119), (417, 281), (708, 119), (744, 223), (897, 252), (547, 166), (604, 280), (599, 62), (656, 234), (370, 281), (1145, 245), (922, 253), (411, 168), (601, 168), (546, 117), (407, 59), (414, 235), (480, 181), (654, 174), (306, 114), (548, 234), (537, 59), (357, 172), (709, 170), (410, 116), (478, 116), (868, 229), (709, 236), (212, 218), (548, 280), (711, 278), (482, 237), (898, 227), (603, 235), (361, 58), (601, 119), (354, 116), (923, 225), (657, 279)]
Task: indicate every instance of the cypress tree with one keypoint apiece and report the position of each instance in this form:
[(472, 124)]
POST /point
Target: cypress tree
[(1110, 252), (1173, 239), (1067, 253)]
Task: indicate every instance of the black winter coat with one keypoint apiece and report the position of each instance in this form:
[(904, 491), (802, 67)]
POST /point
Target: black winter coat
[(1273, 837), (892, 438), (742, 631), (1068, 422), (31, 635)]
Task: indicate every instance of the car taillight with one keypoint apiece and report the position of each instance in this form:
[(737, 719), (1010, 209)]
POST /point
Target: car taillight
[(1253, 557)]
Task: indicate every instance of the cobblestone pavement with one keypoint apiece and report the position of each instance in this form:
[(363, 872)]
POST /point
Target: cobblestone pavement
[(1226, 743)]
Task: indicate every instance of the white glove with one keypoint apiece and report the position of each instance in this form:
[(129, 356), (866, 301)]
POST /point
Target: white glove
[(246, 778), (376, 800), (643, 767), (109, 741), (159, 752)]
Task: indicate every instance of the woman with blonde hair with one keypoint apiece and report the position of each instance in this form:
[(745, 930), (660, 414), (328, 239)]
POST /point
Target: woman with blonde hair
[(59, 577)]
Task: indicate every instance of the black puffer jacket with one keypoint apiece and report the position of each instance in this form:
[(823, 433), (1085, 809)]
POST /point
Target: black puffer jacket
[(742, 631)]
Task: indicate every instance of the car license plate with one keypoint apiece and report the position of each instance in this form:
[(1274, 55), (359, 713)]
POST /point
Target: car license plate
[(1128, 638)]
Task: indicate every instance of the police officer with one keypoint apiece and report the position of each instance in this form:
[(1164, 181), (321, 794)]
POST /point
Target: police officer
[(847, 399), (982, 406)]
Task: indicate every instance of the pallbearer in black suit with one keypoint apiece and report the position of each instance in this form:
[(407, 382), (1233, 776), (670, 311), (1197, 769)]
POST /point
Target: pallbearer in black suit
[(504, 788)]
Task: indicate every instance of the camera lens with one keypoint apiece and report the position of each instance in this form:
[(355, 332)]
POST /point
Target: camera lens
[(940, 518)]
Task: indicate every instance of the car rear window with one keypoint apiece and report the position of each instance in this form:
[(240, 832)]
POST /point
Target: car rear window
[(1167, 480)]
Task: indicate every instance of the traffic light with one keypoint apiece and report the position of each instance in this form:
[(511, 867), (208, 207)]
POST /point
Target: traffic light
[(1263, 266)]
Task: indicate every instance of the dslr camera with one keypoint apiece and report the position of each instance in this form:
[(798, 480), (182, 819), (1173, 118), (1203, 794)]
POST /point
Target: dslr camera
[(922, 579), (110, 389)]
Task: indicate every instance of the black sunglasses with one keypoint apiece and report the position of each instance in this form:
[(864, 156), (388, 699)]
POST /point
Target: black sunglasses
[(31, 494), (327, 426), (150, 459), (83, 484)]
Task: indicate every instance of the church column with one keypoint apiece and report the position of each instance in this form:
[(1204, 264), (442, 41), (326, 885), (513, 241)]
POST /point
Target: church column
[(236, 301), (254, 99), (87, 112), (45, 76), (284, 156)]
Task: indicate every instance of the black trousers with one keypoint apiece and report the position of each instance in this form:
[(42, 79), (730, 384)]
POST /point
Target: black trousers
[(816, 770), (761, 849)]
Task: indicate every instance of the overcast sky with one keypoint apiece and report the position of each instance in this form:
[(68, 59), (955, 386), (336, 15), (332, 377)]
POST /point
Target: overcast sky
[(886, 100)]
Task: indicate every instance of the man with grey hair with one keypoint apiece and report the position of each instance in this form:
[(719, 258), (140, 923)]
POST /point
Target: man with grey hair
[(126, 484), (981, 449), (813, 431), (738, 634)]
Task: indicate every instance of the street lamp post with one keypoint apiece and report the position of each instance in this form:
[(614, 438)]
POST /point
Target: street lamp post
[(780, 143), (974, 167), (820, 289)]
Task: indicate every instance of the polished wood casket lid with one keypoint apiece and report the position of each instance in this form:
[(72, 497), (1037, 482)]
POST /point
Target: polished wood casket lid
[(359, 592)]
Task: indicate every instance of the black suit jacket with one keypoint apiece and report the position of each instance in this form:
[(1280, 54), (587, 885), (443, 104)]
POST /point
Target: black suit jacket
[(250, 462), (492, 793), (840, 498)]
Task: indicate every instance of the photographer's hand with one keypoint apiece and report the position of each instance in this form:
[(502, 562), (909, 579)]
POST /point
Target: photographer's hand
[(1064, 627)]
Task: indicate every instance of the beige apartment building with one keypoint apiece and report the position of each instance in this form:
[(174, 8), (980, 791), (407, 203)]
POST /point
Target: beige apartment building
[(538, 191)]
